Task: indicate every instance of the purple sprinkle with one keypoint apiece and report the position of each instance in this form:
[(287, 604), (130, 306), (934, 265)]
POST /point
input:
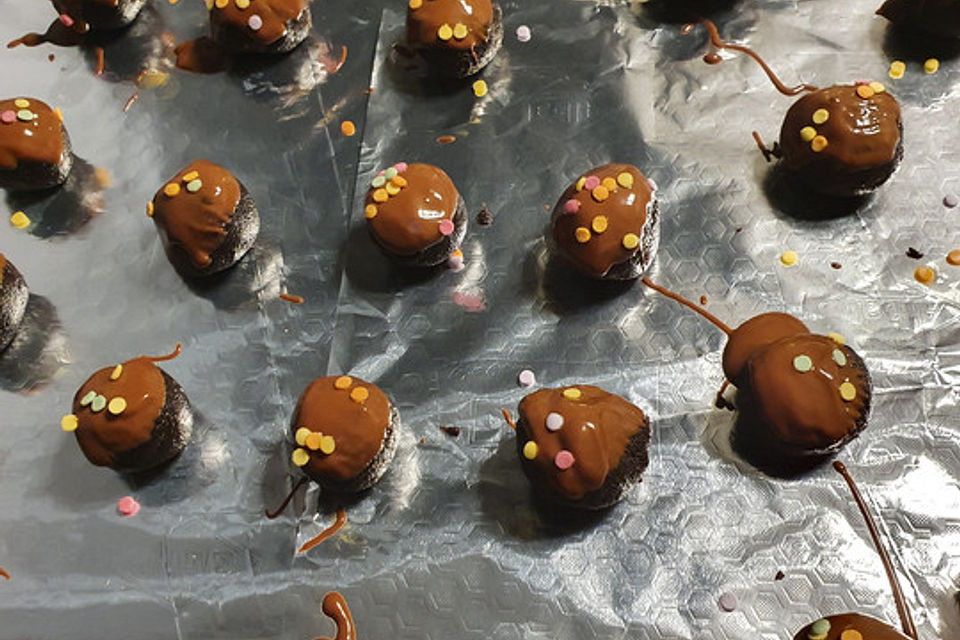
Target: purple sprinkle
[(255, 22), (523, 33), (571, 206), (554, 421), (950, 201), (728, 602), (526, 378)]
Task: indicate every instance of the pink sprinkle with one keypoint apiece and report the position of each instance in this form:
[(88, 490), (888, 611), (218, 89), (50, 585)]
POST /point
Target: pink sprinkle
[(523, 33), (527, 378), (66, 20), (455, 263), (857, 83), (469, 301), (591, 183), (554, 421), (255, 22), (563, 460), (728, 602), (400, 167), (8, 117), (381, 172), (446, 227), (571, 206), (651, 184), (127, 506)]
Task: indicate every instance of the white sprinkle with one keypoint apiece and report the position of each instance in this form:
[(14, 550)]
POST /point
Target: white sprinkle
[(523, 33), (255, 22), (526, 378)]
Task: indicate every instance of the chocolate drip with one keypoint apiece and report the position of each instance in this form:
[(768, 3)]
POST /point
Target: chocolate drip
[(326, 533), (170, 356), (4, 574), (677, 298), (335, 607), (272, 515)]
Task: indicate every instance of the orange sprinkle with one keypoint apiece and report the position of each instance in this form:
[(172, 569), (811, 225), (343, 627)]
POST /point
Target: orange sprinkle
[(171, 189), (343, 382), (610, 184), (381, 195), (582, 234), (58, 113), (446, 139), (150, 209), (347, 128), (359, 394), (924, 275), (953, 257), (313, 440), (103, 177), (865, 91), (370, 211)]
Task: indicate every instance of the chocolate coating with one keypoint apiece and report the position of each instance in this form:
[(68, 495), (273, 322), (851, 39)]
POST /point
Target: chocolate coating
[(13, 301), (606, 435), (626, 210), (283, 24), (940, 17), (482, 34), (34, 153), (100, 14), (869, 628), (864, 144)]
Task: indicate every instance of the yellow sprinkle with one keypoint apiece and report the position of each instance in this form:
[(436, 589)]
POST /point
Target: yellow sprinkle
[(370, 211), (609, 184), (480, 88), (69, 422), (848, 392), (788, 258), (836, 337), (416, 4), (807, 134), (897, 69), (313, 440), (300, 457), (530, 450), (865, 92), (150, 209), (582, 234), (117, 372), (21, 103), (580, 184), (599, 224), (153, 78), (381, 195), (571, 393), (220, 4), (58, 114), (625, 180), (851, 634), (399, 180), (392, 189), (190, 177), (877, 87), (459, 31), (171, 189), (445, 32), (117, 406), (818, 144), (327, 445), (600, 193), (931, 66), (301, 435), (20, 220), (174, 1), (242, 4), (631, 241), (343, 382), (820, 116), (924, 275), (359, 394)]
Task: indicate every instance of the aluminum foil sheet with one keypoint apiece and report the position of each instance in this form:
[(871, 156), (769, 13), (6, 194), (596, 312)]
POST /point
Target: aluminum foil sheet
[(449, 544)]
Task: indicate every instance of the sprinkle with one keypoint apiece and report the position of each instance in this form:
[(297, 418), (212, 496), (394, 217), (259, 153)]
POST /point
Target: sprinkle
[(152, 78), (127, 507), (98, 404), (194, 185), (480, 88), (788, 258), (727, 602), (445, 227), (609, 184), (359, 394), (802, 363), (416, 4), (87, 399), (25, 115), (255, 22), (65, 20), (150, 208), (300, 457), (301, 436), (445, 32), (822, 115), (571, 206), (564, 460), (242, 4), (818, 144), (924, 275), (400, 167), (221, 4), (21, 103), (836, 337), (117, 406), (459, 31), (851, 634), (950, 201), (530, 450), (392, 189), (455, 261), (877, 87), (446, 139), (600, 193), (171, 189), (370, 211), (193, 175), (582, 234), (381, 195), (571, 393), (327, 445), (599, 224), (625, 180), (523, 33), (378, 182), (554, 421), (390, 173), (630, 241), (527, 378), (819, 629), (400, 181), (931, 66), (20, 220), (8, 117), (591, 183), (897, 69), (807, 134), (347, 128), (865, 92), (343, 382), (839, 357), (953, 258), (847, 391), (581, 183), (69, 423), (312, 441)]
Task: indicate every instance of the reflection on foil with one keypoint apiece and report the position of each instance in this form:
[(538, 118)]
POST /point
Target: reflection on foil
[(67, 208), (38, 351), (256, 277)]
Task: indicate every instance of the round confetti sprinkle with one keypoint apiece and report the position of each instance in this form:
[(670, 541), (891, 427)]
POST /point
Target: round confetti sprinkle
[(847, 391), (343, 382), (66, 20), (897, 69), (370, 211), (221, 4), (554, 421), (802, 363), (69, 423), (378, 182), (818, 144), (127, 507), (865, 91), (788, 258), (819, 629), (242, 4), (599, 224), (455, 261), (347, 128), (327, 445), (821, 115), (591, 183), (25, 115), (609, 184), (400, 181), (193, 175), (480, 88), (117, 372), (571, 393), (625, 180), (359, 394), (8, 117), (400, 167), (600, 193), (581, 183), (851, 634), (571, 206), (526, 378), (953, 258), (836, 337), (300, 457), (21, 103), (301, 436), (839, 357), (924, 275), (877, 87), (523, 33), (445, 32), (381, 195), (313, 441), (445, 227), (88, 398), (630, 241), (582, 234), (392, 189), (416, 4), (807, 134), (20, 220), (530, 450), (564, 460), (194, 185), (728, 602), (950, 201), (98, 404), (931, 66), (171, 189), (459, 31), (117, 406), (255, 22), (390, 173)]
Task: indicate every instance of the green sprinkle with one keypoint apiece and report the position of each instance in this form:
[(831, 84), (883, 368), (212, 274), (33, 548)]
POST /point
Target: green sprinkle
[(819, 629), (802, 363), (839, 357), (390, 173), (194, 185), (379, 181), (25, 115), (87, 399), (98, 404)]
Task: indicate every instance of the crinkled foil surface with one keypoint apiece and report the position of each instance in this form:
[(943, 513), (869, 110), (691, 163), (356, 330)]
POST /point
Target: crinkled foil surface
[(449, 544)]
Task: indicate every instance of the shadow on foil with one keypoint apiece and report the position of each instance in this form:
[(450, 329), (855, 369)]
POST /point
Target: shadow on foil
[(64, 209), (38, 350), (243, 286)]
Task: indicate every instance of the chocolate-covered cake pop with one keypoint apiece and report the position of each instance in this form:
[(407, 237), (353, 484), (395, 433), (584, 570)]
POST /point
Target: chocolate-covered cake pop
[(131, 417), (582, 446), (801, 396), (259, 26), (939, 17), (13, 301), (34, 145), (83, 15), (607, 223), (415, 214), (345, 430), (206, 218), (456, 38)]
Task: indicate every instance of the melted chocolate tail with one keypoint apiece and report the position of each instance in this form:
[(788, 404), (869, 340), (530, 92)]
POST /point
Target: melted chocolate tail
[(676, 298), (905, 619), (170, 356), (271, 515)]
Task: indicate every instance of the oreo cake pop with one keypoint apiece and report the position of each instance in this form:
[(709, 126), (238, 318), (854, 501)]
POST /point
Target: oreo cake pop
[(939, 17), (206, 218), (34, 146), (345, 433), (582, 446), (606, 224), (415, 214), (456, 38), (259, 26), (83, 15), (13, 301), (131, 417)]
